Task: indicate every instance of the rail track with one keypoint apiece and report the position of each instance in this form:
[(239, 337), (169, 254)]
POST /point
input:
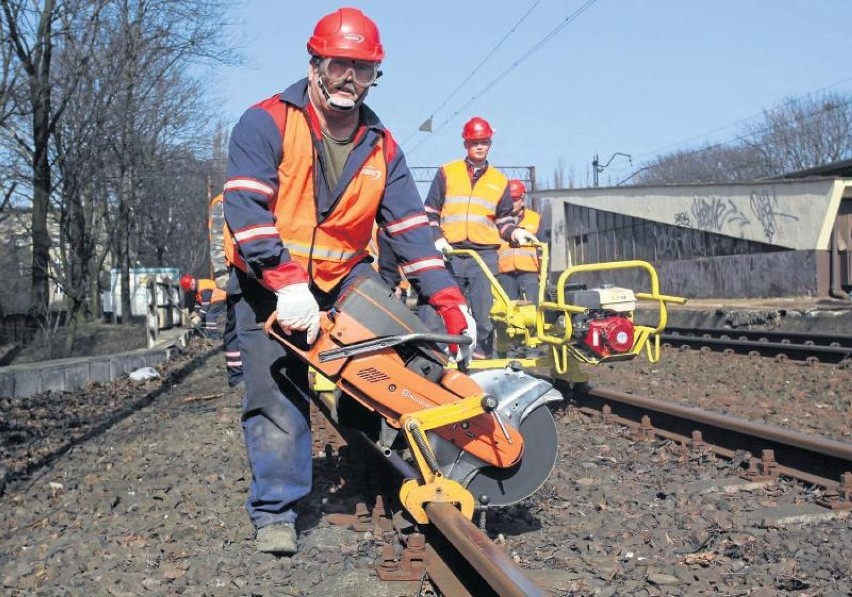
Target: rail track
[(456, 555), (459, 558), (811, 459), (802, 346)]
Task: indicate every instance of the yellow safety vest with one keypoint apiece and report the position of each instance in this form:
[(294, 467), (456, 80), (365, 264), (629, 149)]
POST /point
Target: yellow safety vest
[(520, 259), (469, 212)]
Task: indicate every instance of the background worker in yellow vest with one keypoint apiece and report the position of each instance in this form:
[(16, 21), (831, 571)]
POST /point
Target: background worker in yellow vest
[(220, 262), (518, 266), (469, 207), (209, 303)]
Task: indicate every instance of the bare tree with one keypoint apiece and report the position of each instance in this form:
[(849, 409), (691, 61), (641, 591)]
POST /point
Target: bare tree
[(796, 135), (156, 40), (804, 133), (35, 30)]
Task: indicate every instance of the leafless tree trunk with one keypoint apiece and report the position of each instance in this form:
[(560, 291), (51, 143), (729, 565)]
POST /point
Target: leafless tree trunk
[(34, 31)]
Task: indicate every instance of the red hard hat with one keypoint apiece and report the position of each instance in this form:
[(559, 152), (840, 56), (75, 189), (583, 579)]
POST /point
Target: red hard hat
[(186, 281), (477, 128), (347, 33), (517, 188)]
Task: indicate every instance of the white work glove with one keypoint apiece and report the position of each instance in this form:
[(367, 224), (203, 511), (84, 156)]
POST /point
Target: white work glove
[(522, 237), (298, 310), (466, 350), (443, 246)]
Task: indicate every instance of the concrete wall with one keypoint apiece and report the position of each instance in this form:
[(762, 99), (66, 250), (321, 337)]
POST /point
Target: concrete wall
[(791, 220), (794, 215), (20, 381), (769, 275)]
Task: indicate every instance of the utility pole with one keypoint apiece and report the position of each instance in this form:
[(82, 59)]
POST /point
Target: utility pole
[(597, 168)]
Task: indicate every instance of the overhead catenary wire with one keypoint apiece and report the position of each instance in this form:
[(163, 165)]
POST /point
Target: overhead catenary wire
[(480, 65), (537, 46), (741, 122)]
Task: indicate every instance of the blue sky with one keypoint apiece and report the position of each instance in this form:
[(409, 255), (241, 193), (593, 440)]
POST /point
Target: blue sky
[(641, 77)]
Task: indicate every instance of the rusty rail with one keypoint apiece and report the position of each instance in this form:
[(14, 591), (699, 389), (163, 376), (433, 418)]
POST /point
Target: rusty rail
[(810, 458), (497, 571)]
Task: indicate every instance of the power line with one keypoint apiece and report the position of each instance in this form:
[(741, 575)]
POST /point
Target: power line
[(478, 66), (740, 122), (567, 21), (744, 138)]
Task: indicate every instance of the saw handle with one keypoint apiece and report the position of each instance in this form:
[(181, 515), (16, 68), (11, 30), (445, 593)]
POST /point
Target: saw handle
[(286, 339), (365, 346)]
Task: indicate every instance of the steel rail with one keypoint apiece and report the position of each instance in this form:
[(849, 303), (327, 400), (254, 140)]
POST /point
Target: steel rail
[(818, 458), (803, 352), (774, 336), (498, 572)]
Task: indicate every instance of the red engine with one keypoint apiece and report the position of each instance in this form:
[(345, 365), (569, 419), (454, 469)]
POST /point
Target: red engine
[(609, 335)]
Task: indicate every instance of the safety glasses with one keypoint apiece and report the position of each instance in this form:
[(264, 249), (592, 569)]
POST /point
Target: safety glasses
[(364, 73)]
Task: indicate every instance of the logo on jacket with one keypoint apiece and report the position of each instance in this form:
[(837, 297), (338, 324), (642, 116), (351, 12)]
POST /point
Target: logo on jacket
[(371, 172), (354, 37)]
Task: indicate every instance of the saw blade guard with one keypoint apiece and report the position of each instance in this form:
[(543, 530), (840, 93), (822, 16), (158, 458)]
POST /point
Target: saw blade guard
[(522, 403)]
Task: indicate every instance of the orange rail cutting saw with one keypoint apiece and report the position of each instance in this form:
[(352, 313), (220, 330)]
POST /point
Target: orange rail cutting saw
[(488, 437)]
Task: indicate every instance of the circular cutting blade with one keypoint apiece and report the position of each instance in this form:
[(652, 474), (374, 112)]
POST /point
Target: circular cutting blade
[(504, 486)]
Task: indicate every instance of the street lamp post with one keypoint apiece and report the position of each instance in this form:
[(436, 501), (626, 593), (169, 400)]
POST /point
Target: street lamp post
[(597, 168)]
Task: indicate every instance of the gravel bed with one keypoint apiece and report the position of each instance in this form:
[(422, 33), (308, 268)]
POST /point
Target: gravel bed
[(153, 502), (807, 398)]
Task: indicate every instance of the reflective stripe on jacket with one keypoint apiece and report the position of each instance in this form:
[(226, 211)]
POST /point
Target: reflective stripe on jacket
[(255, 202), (327, 249), (469, 212), (521, 259)]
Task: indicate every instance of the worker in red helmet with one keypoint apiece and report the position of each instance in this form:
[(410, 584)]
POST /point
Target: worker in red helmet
[(310, 172), (221, 257), (208, 304), (518, 265), (469, 207)]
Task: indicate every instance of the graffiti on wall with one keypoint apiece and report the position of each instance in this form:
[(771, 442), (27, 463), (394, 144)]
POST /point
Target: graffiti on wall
[(764, 206), (715, 213), (682, 219)]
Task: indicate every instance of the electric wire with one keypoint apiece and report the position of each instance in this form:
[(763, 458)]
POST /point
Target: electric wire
[(567, 21), (478, 66), (739, 123)]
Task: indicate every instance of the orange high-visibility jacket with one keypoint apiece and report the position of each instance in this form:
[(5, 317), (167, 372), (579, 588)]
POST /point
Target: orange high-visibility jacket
[(520, 259), (329, 249), (469, 212), (205, 285)]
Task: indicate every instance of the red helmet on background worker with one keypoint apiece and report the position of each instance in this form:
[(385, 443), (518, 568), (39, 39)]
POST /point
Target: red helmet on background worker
[(517, 189), (477, 128), (347, 33), (186, 282)]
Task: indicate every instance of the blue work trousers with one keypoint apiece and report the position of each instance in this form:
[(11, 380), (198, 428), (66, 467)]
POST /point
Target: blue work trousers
[(476, 288), (233, 359), (276, 415), (520, 285)]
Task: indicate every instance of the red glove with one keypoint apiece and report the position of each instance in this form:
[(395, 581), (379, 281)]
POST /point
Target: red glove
[(450, 305)]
